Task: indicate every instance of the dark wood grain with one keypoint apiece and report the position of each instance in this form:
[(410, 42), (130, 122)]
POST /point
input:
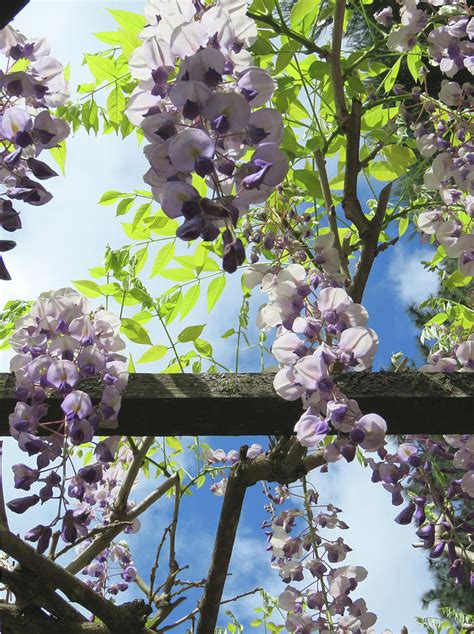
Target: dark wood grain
[(9, 9), (246, 404)]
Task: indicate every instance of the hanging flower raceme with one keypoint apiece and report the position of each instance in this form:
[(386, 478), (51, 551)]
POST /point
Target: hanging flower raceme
[(314, 338), (309, 552), (440, 123), (59, 343), (201, 105), (31, 83)]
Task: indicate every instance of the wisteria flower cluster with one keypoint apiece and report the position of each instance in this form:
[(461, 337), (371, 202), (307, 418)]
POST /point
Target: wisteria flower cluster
[(31, 83), (443, 522), (298, 550), (460, 358), (201, 104), (442, 127), (59, 343), (315, 337)]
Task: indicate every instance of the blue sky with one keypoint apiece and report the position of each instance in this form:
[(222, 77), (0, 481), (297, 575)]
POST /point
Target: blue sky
[(61, 240)]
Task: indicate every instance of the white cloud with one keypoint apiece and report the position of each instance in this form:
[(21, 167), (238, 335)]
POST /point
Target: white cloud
[(411, 281)]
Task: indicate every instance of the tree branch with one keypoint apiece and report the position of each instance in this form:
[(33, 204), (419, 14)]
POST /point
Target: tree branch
[(331, 212), (29, 592), (369, 250), (335, 60), (226, 532), (283, 29), (117, 618)]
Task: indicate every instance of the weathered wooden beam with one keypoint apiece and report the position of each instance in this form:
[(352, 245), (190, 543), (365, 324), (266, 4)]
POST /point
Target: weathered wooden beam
[(9, 9), (246, 404)]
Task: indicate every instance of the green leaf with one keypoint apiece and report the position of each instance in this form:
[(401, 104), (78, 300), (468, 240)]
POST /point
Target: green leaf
[(123, 207), (415, 63), (153, 354), (116, 104), (109, 37), (135, 331), (131, 365), (97, 272), (403, 225), (178, 275), (256, 623), (229, 333), (174, 444), (101, 67), (162, 258), (128, 20), (199, 184), (308, 181), (191, 333), (203, 347), (214, 291), (59, 155), (285, 55), (140, 259), (88, 288), (110, 197), (384, 171), (457, 279), (391, 77), (399, 155), (440, 318), (190, 299), (303, 15)]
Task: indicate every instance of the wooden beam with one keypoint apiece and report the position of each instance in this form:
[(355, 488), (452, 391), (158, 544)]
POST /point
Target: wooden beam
[(10, 9), (246, 404)]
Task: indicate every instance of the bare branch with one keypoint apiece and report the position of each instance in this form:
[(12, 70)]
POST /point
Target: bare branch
[(29, 592), (117, 618), (223, 546), (331, 212), (133, 470), (335, 60), (369, 250)]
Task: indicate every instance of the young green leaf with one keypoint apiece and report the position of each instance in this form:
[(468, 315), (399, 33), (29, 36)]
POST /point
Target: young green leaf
[(191, 333)]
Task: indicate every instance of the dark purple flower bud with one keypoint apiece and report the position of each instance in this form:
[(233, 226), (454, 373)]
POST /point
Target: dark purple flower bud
[(248, 93), (46, 493), (420, 516), (20, 505), (40, 169), (209, 232), (7, 245), (24, 476), (212, 78), (357, 435), (427, 534), (456, 570), (234, 255), (190, 229), (451, 551), (204, 166), (190, 110), (437, 551), (348, 451), (91, 473), (220, 124), (42, 535), (269, 242), (397, 498), (406, 515), (191, 208)]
